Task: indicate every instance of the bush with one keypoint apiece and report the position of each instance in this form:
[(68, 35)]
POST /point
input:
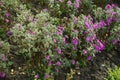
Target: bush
[(50, 41), (113, 74)]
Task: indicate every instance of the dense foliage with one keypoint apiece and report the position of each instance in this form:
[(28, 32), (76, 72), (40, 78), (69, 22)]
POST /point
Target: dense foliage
[(54, 35)]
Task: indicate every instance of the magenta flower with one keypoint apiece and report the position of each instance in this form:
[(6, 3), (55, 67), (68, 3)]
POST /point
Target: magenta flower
[(73, 61), (108, 7), (88, 38), (84, 51), (101, 44), (50, 63), (77, 5), (54, 40), (109, 20), (77, 1), (7, 20), (0, 3), (34, 20), (75, 41), (60, 0), (33, 33), (29, 18), (57, 70), (60, 30), (2, 74), (46, 76), (36, 76), (45, 10), (7, 14), (95, 26), (102, 24), (28, 31), (9, 33), (66, 36), (85, 32), (115, 41), (119, 32), (58, 63), (59, 51), (74, 20), (87, 23), (69, 2), (64, 40), (3, 57), (89, 58), (47, 57), (97, 48), (113, 5)]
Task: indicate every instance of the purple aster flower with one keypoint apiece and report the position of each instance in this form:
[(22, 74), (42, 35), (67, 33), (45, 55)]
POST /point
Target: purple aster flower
[(29, 18), (46, 76), (45, 10), (64, 40), (89, 58), (59, 51), (34, 20), (87, 23), (60, 0), (77, 5), (7, 14), (74, 20), (47, 57), (36, 76), (77, 1), (113, 5), (0, 3), (84, 51), (102, 24), (3, 57), (97, 48), (7, 20), (108, 7), (2, 74), (100, 45), (93, 37), (85, 32), (109, 20), (119, 32), (58, 63), (9, 33), (54, 40), (57, 70), (66, 36), (74, 48), (75, 41), (50, 63), (60, 30), (95, 26), (69, 2), (115, 41), (73, 61), (88, 38)]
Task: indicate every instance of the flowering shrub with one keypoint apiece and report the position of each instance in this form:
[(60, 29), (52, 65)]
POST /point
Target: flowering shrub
[(4, 62), (50, 41)]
